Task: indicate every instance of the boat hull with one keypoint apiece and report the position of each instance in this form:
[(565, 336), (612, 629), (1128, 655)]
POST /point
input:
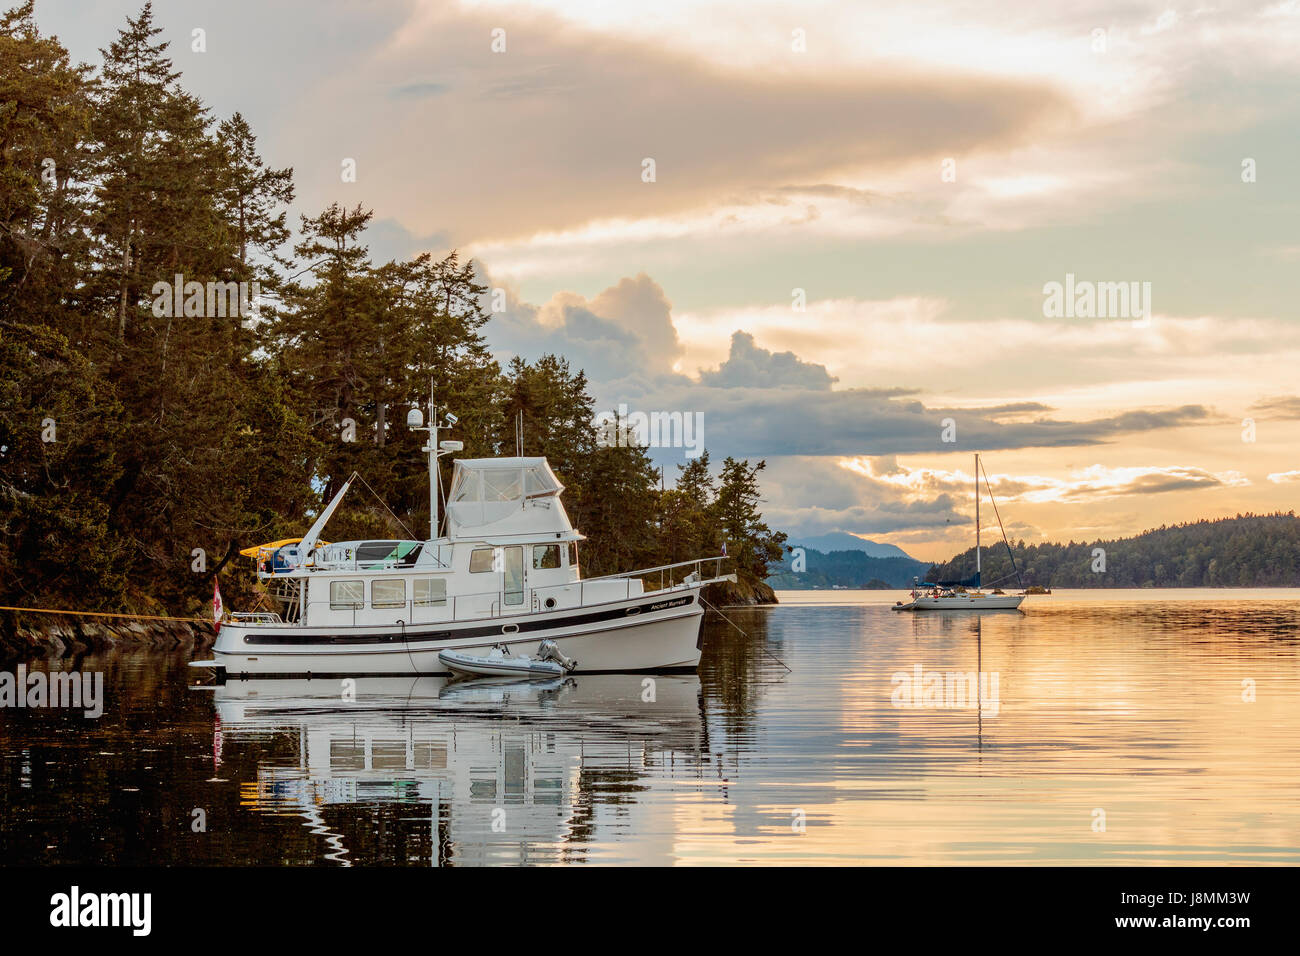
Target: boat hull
[(657, 632), (964, 602)]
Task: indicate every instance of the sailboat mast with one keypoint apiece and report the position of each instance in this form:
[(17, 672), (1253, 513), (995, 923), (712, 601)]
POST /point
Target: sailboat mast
[(977, 520)]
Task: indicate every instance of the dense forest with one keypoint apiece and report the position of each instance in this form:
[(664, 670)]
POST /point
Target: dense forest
[(149, 429), (1246, 551)]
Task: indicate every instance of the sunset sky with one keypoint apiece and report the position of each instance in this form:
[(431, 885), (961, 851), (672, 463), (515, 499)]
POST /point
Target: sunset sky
[(804, 147)]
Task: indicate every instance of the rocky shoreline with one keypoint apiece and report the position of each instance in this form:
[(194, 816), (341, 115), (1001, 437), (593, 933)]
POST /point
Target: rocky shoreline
[(24, 639), (741, 592)]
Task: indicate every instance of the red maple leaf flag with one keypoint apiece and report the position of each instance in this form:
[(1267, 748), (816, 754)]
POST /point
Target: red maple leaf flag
[(217, 607)]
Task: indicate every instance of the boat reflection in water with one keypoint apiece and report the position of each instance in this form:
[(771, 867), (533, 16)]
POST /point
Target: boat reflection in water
[(427, 771)]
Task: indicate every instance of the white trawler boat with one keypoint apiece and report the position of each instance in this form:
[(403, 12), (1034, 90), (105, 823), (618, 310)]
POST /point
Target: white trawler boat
[(966, 595), (504, 574)]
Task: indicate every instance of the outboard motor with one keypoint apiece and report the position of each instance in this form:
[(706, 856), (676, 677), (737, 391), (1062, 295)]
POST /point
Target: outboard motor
[(547, 651)]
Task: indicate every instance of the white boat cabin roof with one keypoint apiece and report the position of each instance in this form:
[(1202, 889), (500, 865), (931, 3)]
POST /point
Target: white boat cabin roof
[(515, 497)]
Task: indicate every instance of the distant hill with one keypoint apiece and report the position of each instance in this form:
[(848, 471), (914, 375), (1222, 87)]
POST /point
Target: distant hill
[(1246, 551), (843, 541), (848, 569)]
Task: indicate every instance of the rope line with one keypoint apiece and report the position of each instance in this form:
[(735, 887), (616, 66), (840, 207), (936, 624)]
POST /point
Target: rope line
[(137, 617), (761, 647), (399, 521)]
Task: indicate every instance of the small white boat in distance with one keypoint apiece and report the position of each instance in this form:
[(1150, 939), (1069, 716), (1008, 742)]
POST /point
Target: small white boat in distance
[(945, 599), (966, 595)]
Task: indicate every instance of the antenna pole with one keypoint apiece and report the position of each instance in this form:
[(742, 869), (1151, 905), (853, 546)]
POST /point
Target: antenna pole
[(433, 465)]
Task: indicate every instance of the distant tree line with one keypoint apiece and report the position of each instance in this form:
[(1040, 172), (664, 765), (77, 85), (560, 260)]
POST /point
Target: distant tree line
[(849, 569), (147, 433), (1245, 551)]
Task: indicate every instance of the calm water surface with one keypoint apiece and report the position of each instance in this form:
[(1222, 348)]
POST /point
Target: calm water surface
[(1117, 727)]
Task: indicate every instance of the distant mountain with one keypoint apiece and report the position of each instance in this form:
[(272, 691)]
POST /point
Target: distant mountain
[(846, 569), (843, 541), (1245, 551)]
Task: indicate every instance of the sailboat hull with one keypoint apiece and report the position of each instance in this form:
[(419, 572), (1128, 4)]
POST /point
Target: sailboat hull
[(963, 602)]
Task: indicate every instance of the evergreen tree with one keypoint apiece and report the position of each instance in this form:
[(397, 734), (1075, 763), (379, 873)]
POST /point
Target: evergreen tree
[(690, 527), (44, 122), (751, 544), (59, 425), (252, 197)]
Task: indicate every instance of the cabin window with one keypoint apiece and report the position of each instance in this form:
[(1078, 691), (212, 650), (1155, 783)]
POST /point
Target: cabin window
[(573, 554), (389, 593), (512, 579), (430, 592), (480, 560), (465, 487), (535, 483), (546, 557), (501, 484), (347, 595), (376, 552)]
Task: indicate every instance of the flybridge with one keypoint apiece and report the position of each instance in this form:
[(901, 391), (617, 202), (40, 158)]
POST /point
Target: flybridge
[(506, 496)]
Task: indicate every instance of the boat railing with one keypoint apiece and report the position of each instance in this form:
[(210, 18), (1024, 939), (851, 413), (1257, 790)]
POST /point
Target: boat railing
[(255, 617), (701, 569), (317, 561)]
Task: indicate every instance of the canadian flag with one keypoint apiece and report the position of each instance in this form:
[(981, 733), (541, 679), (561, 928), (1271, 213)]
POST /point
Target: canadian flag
[(217, 607)]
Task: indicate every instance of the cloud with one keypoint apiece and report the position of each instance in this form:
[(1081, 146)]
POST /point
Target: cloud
[(761, 403), (552, 133), (809, 496), (1085, 484), (761, 422), (417, 90), (624, 332), (749, 365), (1284, 477), (882, 497), (1285, 407)]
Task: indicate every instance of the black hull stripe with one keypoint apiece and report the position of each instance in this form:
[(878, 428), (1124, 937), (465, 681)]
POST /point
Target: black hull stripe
[(524, 626)]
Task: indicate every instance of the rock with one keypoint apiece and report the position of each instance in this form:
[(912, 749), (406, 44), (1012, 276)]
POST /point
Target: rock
[(55, 637), (741, 592)]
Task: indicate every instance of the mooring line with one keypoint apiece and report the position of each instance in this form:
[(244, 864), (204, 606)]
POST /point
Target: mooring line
[(762, 647), (137, 617)]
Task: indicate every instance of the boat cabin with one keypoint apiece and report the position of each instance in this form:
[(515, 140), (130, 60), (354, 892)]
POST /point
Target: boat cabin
[(508, 548)]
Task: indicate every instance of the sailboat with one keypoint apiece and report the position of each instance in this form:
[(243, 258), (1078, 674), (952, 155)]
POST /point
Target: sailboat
[(966, 595)]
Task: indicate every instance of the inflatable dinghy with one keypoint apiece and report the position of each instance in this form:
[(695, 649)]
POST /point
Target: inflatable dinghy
[(549, 662)]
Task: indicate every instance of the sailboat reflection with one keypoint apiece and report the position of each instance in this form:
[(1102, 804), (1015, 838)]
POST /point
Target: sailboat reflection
[(503, 771)]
